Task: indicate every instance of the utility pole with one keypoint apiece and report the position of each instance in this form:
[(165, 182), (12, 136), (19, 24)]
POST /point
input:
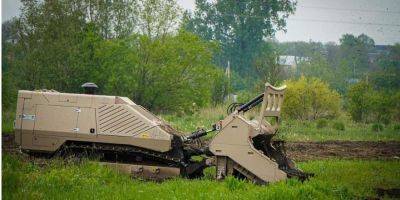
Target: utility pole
[(228, 74)]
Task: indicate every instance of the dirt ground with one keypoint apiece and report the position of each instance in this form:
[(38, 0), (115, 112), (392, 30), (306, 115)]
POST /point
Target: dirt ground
[(7, 143), (303, 151)]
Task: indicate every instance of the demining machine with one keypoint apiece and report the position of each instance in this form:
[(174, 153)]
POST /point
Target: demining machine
[(126, 136)]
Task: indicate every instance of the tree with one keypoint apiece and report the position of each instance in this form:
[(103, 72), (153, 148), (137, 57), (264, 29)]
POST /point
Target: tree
[(387, 76), (354, 53), (50, 46), (64, 43), (221, 89), (113, 19), (332, 54), (169, 74), (318, 66), (9, 38), (267, 66), (240, 27), (369, 105), (359, 101), (158, 17)]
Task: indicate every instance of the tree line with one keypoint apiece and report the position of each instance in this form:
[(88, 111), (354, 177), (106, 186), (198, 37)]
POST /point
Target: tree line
[(130, 48), (170, 60), (366, 76), (148, 50)]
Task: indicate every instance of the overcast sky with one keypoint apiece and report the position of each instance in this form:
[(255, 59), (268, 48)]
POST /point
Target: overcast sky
[(317, 20)]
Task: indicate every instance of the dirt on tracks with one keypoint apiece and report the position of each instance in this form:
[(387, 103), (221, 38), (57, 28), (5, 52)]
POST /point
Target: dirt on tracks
[(303, 151)]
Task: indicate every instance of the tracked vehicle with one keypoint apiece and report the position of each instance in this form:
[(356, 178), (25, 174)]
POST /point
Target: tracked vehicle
[(131, 139)]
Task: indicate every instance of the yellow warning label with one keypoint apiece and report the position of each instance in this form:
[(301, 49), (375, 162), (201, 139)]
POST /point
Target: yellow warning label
[(145, 135)]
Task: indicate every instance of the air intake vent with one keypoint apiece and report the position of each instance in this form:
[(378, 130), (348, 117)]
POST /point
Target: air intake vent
[(119, 120)]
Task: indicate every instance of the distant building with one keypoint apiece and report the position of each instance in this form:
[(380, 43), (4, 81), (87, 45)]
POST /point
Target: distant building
[(353, 80), (289, 62), (377, 51)]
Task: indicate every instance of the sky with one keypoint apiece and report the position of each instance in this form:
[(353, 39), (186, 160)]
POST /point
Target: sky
[(317, 20)]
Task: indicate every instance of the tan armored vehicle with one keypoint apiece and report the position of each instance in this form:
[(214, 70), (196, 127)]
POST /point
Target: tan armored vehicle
[(126, 136)]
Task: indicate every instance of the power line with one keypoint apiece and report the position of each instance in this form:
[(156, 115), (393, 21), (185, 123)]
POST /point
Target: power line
[(316, 20), (351, 9), (342, 22)]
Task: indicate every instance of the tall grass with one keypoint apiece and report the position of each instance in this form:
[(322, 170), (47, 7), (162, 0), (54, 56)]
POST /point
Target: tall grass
[(7, 121), (334, 179), (204, 118), (342, 128)]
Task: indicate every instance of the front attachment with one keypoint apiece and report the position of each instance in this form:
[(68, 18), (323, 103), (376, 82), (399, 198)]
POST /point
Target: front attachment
[(276, 151), (245, 148)]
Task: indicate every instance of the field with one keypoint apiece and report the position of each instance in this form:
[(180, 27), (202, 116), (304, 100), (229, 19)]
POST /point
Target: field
[(348, 164), (293, 130), (83, 73), (334, 179)]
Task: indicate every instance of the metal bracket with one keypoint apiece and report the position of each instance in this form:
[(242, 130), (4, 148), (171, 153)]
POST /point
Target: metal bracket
[(75, 129), (28, 117)]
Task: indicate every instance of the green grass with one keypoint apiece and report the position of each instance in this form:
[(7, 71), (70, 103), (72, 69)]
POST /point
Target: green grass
[(292, 130), (204, 118), (7, 123), (334, 179)]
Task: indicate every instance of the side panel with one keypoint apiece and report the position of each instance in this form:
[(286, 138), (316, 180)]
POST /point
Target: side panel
[(53, 122), (56, 118), (27, 123), (18, 120), (86, 125)]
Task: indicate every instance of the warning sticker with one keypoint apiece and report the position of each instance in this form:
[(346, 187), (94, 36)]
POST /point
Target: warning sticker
[(145, 135)]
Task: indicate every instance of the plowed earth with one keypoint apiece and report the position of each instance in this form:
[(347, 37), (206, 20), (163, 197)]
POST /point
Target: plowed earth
[(303, 151)]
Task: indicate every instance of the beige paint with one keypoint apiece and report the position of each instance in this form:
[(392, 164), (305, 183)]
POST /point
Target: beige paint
[(45, 120), (147, 172), (233, 142)]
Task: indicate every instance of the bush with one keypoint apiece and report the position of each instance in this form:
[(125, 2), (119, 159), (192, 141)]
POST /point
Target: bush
[(322, 123), (310, 98), (339, 126), (368, 105), (396, 127), (377, 127)]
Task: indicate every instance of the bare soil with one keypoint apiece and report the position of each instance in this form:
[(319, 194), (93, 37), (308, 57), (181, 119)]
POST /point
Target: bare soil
[(8, 144), (303, 151)]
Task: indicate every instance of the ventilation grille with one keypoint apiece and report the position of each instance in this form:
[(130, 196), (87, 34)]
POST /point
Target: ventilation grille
[(119, 120)]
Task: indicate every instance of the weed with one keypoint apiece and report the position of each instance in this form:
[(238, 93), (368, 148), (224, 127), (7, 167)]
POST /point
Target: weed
[(377, 127), (322, 123), (8, 117), (396, 127), (338, 126), (233, 183)]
